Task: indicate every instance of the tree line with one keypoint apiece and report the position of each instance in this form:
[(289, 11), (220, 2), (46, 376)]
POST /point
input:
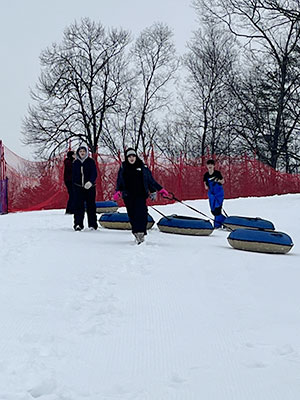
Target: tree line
[(235, 90)]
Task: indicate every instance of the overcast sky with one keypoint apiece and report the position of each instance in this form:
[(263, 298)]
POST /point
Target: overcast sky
[(29, 26)]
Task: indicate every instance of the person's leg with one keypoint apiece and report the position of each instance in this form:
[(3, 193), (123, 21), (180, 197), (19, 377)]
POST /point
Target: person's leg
[(141, 215), (138, 217), (130, 208), (219, 217), (78, 207), (212, 201), (90, 198)]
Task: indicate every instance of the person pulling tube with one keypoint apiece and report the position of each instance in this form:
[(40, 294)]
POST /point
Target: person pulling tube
[(213, 183), (135, 184)]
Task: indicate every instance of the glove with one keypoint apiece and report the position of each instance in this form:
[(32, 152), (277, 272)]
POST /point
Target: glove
[(153, 196), (164, 192), (88, 185), (117, 195)]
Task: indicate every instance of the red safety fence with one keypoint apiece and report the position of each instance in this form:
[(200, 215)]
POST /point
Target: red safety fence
[(28, 185)]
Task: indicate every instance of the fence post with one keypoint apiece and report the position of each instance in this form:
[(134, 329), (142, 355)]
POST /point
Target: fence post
[(1, 161), (181, 172), (3, 182), (99, 182)]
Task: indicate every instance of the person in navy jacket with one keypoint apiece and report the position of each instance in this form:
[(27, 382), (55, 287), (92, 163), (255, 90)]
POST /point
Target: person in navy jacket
[(213, 183), (134, 184), (84, 174)]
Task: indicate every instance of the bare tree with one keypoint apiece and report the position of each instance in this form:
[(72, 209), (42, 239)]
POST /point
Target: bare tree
[(120, 127), (208, 108), (81, 82), (156, 63), (147, 96), (269, 31)]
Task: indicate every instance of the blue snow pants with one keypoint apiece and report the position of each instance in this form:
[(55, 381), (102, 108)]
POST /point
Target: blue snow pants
[(216, 198)]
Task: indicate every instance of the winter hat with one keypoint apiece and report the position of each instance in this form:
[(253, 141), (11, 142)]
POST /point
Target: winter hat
[(130, 152)]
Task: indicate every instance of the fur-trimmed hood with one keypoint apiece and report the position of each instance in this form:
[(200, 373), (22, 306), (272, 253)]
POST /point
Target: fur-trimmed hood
[(86, 155)]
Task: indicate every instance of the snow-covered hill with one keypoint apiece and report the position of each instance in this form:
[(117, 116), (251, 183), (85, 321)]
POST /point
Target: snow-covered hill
[(92, 316)]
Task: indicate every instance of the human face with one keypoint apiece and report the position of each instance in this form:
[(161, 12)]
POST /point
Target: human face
[(131, 159), (82, 153), (210, 168)]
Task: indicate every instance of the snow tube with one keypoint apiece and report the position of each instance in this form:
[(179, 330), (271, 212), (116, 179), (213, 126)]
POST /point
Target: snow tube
[(119, 220), (260, 241), (234, 222), (106, 206), (185, 225)]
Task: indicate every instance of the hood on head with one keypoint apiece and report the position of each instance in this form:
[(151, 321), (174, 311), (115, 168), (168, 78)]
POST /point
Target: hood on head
[(86, 155)]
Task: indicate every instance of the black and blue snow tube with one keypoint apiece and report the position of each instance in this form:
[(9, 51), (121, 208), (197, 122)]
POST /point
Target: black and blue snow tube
[(260, 241), (119, 220), (185, 225), (106, 206), (234, 222)]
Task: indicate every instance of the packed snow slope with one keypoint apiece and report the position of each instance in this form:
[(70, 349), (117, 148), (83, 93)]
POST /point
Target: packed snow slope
[(93, 316)]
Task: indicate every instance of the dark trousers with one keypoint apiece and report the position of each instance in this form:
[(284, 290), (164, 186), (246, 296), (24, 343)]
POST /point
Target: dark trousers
[(138, 213), (70, 204), (82, 198)]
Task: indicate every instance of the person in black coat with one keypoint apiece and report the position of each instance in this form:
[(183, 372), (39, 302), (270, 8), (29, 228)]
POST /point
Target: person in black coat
[(68, 180), (134, 184), (84, 176)]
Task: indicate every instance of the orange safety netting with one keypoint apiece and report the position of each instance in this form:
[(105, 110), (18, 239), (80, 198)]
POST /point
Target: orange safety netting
[(40, 185)]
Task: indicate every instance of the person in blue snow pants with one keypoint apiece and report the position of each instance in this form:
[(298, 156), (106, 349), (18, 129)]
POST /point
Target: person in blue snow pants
[(213, 182)]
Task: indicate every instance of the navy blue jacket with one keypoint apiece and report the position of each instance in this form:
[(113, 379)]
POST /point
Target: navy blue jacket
[(150, 183), (83, 172)]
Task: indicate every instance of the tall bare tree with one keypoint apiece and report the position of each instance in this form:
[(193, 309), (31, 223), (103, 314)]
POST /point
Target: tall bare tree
[(146, 99), (208, 108), (269, 31), (155, 63), (81, 82)]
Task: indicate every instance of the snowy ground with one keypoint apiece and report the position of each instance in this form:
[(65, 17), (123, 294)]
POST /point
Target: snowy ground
[(92, 316)]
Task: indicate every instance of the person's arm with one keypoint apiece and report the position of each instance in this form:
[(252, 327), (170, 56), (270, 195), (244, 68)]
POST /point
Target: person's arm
[(120, 180), (93, 171), (220, 179), (204, 181), (119, 185), (153, 185)]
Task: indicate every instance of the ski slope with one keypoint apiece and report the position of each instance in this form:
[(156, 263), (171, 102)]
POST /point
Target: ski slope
[(92, 316)]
